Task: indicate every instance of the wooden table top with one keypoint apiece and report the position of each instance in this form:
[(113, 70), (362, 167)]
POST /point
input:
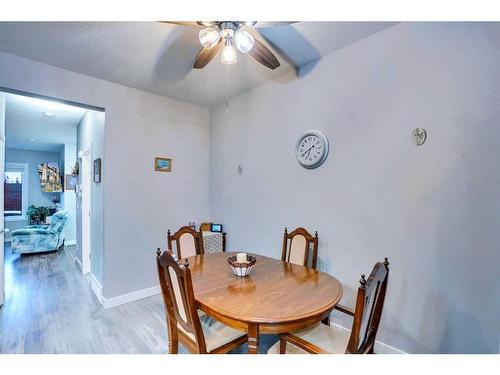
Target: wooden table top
[(275, 292)]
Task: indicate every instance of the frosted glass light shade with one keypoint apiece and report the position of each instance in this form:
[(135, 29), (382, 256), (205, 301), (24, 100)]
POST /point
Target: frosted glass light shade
[(209, 37), (228, 55), (244, 41)]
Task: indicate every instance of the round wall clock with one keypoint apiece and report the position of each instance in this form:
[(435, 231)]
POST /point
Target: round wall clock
[(312, 149)]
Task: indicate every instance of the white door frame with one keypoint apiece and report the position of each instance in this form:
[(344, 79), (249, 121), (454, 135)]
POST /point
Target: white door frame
[(2, 223), (2, 174), (86, 180)]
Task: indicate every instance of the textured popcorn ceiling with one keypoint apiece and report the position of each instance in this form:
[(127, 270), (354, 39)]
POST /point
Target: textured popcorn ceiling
[(158, 57)]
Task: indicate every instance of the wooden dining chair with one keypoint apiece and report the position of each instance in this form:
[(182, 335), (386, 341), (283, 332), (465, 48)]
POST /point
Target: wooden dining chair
[(298, 246), (188, 242), (330, 339), (198, 332)]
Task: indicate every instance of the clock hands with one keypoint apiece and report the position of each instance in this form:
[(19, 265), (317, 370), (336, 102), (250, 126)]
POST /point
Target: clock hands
[(308, 151)]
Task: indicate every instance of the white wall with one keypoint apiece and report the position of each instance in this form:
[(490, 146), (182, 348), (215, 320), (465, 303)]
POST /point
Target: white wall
[(68, 198), (433, 210), (139, 204)]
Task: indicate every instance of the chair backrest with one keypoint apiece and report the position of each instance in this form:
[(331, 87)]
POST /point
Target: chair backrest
[(178, 296), (297, 247), (58, 220), (368, 311), (188, 242)]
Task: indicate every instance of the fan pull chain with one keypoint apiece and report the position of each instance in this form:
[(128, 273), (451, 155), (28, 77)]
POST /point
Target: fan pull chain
[(227, 88)]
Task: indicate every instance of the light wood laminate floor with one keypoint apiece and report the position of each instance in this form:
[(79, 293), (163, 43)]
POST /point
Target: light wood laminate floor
[(50, 308)]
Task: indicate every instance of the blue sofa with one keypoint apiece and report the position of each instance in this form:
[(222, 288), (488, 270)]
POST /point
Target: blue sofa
[(40, 238)]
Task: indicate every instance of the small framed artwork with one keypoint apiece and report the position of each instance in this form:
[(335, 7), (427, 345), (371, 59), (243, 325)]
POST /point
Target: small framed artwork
[(70, 182), (163, 164), (97, 170)]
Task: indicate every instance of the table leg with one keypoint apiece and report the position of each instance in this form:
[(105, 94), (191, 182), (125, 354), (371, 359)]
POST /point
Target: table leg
[(326, 320), (253, 339)]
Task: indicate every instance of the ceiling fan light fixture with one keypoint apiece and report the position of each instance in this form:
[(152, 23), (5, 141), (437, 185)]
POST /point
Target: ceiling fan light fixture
[(209, 36), (228, 55), (244, 41)]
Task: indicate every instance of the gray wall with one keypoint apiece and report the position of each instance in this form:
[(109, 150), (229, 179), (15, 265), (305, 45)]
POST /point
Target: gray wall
[(33, 159), (433, 210), (90, 133), (35, 194), (139, 204)]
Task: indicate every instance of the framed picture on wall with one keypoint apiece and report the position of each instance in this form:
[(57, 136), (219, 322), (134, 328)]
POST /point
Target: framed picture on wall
[(97, 170), (70, 182), (50, 179), (163, 164)]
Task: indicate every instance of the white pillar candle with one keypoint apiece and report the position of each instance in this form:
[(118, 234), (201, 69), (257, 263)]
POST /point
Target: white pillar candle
[(241, 258)]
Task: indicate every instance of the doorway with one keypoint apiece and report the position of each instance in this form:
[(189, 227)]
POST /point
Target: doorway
[(45, 135)]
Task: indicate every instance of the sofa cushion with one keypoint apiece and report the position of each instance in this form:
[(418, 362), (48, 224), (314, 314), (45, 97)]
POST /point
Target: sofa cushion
[(30, 231)]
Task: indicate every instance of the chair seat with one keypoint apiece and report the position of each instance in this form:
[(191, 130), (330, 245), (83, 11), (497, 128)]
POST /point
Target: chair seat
[(329, 338), (216, 334)]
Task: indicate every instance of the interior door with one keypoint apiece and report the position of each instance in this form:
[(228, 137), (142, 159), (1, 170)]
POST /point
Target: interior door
[(2, 174)]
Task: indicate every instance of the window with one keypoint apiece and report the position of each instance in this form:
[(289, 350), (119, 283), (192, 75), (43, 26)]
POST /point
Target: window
[(15, 191)]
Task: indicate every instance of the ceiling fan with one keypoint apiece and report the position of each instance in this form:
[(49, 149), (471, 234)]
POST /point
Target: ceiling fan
[(229, 35)]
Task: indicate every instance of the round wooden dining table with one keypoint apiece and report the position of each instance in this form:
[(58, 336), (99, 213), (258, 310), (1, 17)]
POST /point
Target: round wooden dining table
[(277, 297)]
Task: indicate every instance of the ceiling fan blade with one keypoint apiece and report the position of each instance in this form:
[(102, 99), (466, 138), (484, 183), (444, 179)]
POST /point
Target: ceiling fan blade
[(264, 55), (206, 55), (273, 23), (183, 23)]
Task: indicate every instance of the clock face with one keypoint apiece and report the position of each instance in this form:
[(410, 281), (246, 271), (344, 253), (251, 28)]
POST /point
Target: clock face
[(312, 149)]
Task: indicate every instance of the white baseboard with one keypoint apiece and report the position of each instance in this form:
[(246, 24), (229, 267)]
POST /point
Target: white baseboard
[(130, 297), (380, 347), (68, 252), (79, 264), (96, 288), (75, 259)]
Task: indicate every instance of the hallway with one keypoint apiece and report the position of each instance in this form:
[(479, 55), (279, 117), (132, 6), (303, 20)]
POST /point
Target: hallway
[(50, 308)]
